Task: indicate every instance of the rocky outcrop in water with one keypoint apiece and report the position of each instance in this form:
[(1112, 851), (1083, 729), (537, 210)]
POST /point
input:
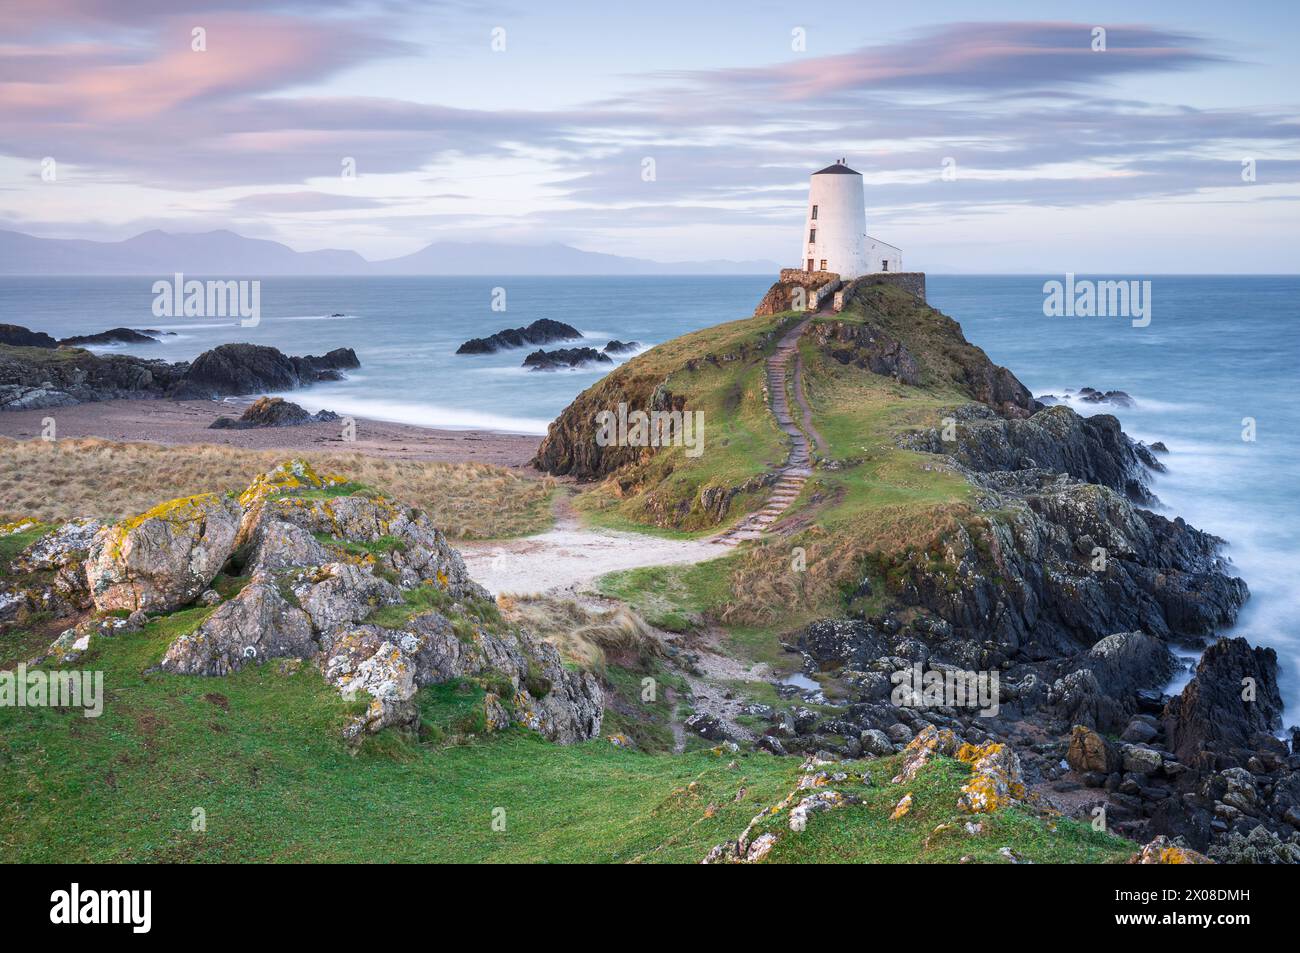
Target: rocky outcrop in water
[(34, 377), (234, 369), (541, 331), (565, 357), (112, 336)]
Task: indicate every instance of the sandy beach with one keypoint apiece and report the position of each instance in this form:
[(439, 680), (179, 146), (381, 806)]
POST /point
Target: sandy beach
[(187, 422)]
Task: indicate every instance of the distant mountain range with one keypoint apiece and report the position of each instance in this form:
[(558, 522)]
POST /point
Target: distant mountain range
[(220, 253)]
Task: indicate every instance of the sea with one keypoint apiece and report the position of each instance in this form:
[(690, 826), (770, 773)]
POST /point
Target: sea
[(1212, 369)]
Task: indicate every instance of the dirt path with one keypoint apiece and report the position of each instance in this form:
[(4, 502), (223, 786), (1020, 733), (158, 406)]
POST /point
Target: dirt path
[(798, 465), (568, 557)]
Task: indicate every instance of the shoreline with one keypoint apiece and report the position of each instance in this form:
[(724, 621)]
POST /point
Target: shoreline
[(172, 422)]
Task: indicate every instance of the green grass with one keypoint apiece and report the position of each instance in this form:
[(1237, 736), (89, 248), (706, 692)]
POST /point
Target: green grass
[(378, 547), (11, 544), (648, 724), (332, 492), (464, 615), (675, 598), (858, 834), (260, 754)]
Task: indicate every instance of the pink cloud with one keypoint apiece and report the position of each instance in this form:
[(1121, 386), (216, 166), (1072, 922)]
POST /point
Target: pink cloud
[(246, 54)]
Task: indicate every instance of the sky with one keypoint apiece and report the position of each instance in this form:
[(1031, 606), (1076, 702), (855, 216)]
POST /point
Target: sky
[(998, 137)]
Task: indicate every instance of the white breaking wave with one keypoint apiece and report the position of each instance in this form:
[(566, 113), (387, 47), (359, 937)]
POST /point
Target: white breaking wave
[(420, 415)]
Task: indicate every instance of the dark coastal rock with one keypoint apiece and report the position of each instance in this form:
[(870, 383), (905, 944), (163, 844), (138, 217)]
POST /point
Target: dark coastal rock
[(17, 336), (541, 331), (272, 412), (1056, 439), (1116, 397), (111, 336), (234, 369), (326, 367), (32, 378), (621, 347), (541, 360), (1210, 719), (1091, 396), (867, 346), (1100, 691)]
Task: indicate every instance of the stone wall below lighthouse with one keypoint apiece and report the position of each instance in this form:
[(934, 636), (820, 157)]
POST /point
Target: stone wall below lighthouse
[(823, 291)]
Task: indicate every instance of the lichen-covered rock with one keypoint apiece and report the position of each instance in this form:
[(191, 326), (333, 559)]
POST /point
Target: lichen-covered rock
[(411, 546), (1140, 759), (257, 624), (317, 600), (58, 548), (161, 560), (50, 574), (1163, 851), (996, 779), (277, 544), (876, 743), (367, 659), (338, 595), (290, 476), (902, 808), (921, 750)]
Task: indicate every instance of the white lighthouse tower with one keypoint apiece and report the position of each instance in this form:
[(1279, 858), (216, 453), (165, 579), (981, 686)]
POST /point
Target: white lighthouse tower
[(835, 233)]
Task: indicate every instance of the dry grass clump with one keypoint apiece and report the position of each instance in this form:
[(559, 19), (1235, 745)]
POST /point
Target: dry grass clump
[(766, 587), (54, 481), (586, 637)]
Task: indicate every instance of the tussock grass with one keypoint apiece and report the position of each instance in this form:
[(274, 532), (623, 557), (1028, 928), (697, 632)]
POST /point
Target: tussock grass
[(585, 637), (64, 479)]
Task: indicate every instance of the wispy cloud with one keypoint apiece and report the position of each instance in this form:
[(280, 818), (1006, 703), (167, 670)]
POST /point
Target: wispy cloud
[(260, 123)]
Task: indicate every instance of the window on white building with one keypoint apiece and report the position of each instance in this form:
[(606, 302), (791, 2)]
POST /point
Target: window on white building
[(812, 236), (814, 215), (823, 264), (884, 265)]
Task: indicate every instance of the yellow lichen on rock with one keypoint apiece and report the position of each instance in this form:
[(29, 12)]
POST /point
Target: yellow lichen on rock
[(996, 779), (293, 474), (902, 808), (1163, 851), (921, 749)]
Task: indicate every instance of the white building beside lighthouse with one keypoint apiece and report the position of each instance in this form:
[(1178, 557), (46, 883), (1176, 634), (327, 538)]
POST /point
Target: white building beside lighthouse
[(835, 233)]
